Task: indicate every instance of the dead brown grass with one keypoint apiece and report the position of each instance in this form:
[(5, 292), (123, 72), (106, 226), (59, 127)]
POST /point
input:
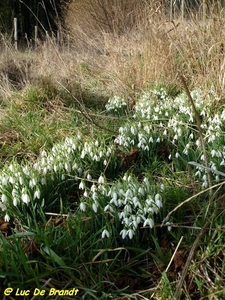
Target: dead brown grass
[(120, 47), (149, 48)]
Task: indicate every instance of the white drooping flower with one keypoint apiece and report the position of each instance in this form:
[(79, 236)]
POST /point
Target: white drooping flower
[(158, 200), (105, 233), (101, 179), (7, 218), (82, 206), (25, 198), (123, 233), (4, 198), (149, 222)]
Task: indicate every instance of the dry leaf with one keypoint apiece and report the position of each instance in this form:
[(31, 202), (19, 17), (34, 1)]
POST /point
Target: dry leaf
[(179, 261)]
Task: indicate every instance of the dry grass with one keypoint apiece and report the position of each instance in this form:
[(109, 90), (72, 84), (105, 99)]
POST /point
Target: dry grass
[(149, 48), (122, 47)]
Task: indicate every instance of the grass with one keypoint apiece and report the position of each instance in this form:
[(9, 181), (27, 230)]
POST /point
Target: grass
[(97, 192)]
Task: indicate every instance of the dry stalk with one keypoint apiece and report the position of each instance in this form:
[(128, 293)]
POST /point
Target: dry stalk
[(189, 259), (190, 198), (198, 122)]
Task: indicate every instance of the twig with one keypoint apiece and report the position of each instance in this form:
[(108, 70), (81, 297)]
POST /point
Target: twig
[(198, 122), (193, 163), (64, 288), (189, 259), (43, 286), (85, 113), (174, 253), (189, 199), (168, 266)]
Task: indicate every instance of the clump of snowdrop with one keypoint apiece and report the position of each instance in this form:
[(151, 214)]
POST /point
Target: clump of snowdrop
[(28, 184), (158, 117), (19, 185), (116, 106), (131, 202)]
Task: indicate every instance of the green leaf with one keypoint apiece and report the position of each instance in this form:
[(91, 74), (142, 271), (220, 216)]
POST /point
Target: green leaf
[(57, 259)]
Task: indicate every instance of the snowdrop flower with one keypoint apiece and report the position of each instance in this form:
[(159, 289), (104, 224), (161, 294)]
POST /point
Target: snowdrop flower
[(12, 179), (85, 194), (205, 184), (15, 201), (169, 228), (114, 196), (125, 177), (105, 233), (132, 130), (94, 196), (106, 208), (25, 198), (141, 191), (136, 201), (37, 194), (101, 180), (177, 155), (11, 168), (123, 233), (82, 206), (82, 185), (14, 192), (179, 132), (80, 171), (191, 136), (2, 206), (217, 178), (4, 198), (21, 180), (127, 209), (89, 177), (96, 158), (95, 207), (213, 153), (204, 177), (222, 163), (158, 200), (129, 194), (146, 181), (83, 153), (43, 181), (130, 233), (198, 143), (93, 187), (68, 167), (149, 222), (6, 218), (32, 183)]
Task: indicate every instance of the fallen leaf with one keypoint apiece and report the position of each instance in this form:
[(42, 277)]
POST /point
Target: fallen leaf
[(179, 261), (126, 281)]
